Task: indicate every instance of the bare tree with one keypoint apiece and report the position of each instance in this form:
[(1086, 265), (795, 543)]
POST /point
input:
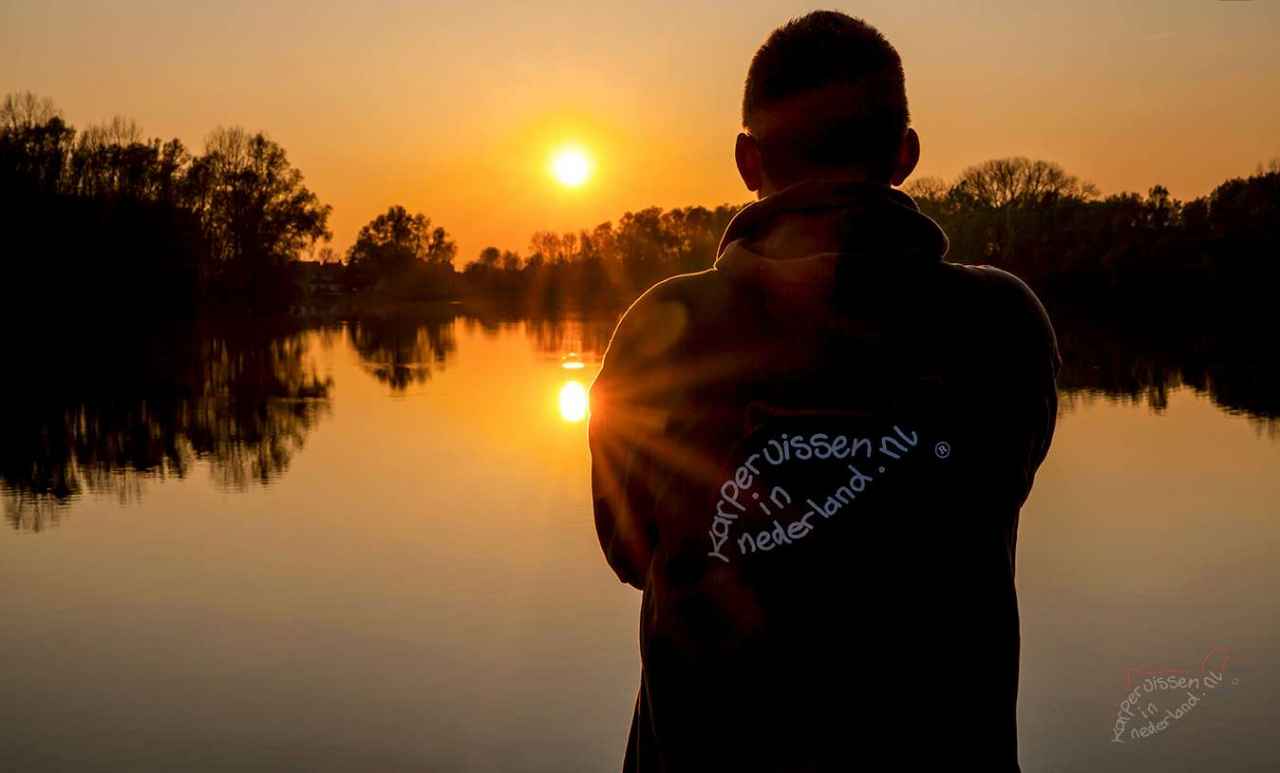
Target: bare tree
[(1018, 181), (118, 131), (933, 188), (25, 110)]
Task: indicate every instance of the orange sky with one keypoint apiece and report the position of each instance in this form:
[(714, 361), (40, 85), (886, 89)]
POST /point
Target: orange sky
[(452, 109)]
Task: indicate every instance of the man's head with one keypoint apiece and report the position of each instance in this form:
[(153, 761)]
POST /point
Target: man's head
[(825, 97)]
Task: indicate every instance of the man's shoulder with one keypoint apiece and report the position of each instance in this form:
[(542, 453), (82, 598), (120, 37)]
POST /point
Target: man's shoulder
[(664, 313), (698, 287), (997, 282), (1006, 301)]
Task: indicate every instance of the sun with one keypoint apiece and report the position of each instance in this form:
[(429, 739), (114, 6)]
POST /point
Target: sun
[(571, 166)]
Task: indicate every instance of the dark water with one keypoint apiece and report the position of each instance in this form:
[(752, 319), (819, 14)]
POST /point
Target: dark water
[(368, 546)]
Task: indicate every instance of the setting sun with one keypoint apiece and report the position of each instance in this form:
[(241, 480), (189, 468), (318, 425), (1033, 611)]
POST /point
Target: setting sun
[(571, 166)]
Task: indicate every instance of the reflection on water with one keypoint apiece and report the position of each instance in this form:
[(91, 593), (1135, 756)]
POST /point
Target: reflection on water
[(576, 337), (149, 407), (1142, 364), (573, 401), (239, 398), (404, 584), (110, 416), (401, 350)]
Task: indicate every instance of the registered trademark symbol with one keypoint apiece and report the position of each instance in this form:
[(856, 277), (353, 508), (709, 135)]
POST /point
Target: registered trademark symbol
[(942, 449)]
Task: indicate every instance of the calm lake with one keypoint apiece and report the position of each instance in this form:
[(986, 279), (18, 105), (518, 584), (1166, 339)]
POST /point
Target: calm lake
[(368, 546)]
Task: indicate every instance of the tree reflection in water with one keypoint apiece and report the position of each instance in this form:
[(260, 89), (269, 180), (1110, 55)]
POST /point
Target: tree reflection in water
[(89, 414), (106, 416), (1143, 364), (400, 350)]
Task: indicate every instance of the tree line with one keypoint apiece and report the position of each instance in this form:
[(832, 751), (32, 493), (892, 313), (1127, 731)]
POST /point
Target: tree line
[(401, 255), (609, 264), (104, 220), (1125, 252)]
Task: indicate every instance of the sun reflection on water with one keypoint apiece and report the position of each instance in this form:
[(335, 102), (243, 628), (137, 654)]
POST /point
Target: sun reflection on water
[(573, 401)]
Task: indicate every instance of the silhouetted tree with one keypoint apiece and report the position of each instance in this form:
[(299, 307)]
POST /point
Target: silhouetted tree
[(255, 210), (121, 223), (1018, 182), (402, 252), (106, 221)]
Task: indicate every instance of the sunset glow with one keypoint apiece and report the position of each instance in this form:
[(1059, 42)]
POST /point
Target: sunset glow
[(655, 131), (480, 381)]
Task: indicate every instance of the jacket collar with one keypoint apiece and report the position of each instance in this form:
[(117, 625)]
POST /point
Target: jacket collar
[(877, 221)]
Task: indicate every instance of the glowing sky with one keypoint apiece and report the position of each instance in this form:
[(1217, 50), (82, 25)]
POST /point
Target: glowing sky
[(454, 109)]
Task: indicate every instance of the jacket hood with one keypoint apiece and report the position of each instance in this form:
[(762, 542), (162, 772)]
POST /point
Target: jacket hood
[(872, 220)]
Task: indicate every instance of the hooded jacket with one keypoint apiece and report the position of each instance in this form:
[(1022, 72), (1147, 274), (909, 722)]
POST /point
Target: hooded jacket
[(811, 458)]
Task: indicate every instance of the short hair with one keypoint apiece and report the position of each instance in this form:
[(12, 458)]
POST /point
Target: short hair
[(813, 52)]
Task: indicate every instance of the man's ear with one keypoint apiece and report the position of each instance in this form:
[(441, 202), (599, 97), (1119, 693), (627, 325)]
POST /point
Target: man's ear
[(908, 157), (747, 153)]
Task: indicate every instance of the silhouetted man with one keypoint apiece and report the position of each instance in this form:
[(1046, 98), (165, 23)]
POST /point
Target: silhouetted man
[(811, 457)]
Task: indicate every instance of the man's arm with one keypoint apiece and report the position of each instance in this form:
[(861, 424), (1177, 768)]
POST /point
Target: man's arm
[(626, 430), (1030, 381), (623, 524), (1044, 362), (618, 485)]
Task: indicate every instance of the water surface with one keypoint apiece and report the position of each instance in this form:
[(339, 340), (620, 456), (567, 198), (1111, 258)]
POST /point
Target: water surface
[(369, 546)]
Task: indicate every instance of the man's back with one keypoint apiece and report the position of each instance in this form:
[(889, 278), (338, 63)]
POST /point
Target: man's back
[(811, 459)]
